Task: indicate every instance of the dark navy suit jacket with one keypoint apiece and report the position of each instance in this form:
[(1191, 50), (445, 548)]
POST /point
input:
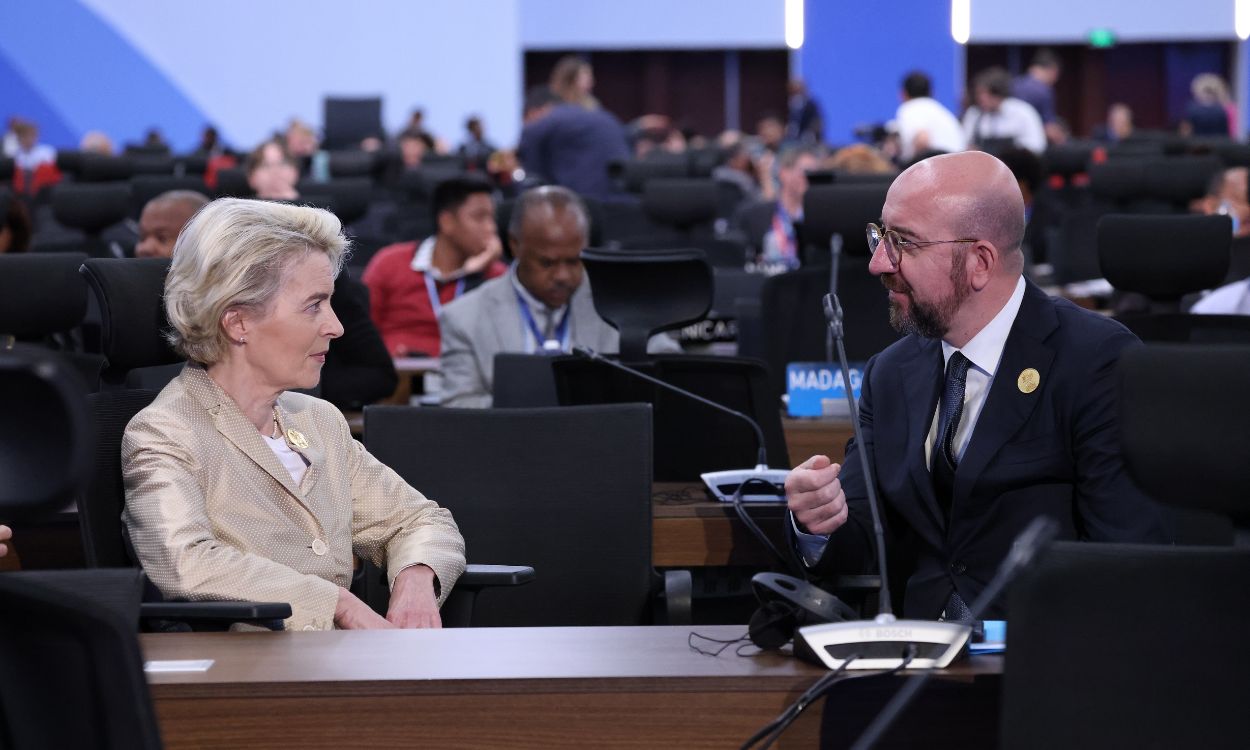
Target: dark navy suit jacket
[(1051, 452), (572, 146)]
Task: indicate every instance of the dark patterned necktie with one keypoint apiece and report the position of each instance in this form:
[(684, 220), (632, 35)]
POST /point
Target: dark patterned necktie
[(952, 408)]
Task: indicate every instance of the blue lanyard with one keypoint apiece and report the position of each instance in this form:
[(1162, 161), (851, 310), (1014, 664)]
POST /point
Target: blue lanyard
[(545, 345), (432, 289)]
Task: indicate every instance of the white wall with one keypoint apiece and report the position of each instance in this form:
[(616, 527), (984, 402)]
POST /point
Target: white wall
[(250, 65), (652, 24), (1058, 21)]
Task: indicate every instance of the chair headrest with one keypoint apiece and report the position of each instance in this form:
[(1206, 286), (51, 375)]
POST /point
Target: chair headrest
[(1181, 179), (1118, 180), (641, 293), (68, 160), (681, 203), (636, 173), (144, 188), (43, 468), (41, 293), (842, 209), (6, 197), (1182, 431), (157, 164), (232, 183), (91, 207), (6, 168), (101, 168), (419, 184), (352, 164), (130, 292), (1164, 257), (1067, 160), (347, 199)]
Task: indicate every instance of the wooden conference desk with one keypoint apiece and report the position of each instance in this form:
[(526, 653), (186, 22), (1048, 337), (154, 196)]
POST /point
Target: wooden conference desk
[(617, 687)]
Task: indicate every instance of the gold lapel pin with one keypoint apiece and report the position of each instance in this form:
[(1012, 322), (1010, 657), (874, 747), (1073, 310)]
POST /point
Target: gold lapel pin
[(296, 438), (1028, 380)]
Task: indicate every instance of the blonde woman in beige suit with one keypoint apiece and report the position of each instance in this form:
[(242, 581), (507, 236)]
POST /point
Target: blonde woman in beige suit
[(237, 488)]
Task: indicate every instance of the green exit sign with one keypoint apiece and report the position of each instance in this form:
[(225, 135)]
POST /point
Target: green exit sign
[(1101, 38)]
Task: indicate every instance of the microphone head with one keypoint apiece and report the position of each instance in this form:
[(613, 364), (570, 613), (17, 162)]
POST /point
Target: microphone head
[(585, 351), (1038, 535)]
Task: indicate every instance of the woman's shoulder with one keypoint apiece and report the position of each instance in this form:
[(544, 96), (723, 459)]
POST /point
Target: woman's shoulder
[(172, 414)]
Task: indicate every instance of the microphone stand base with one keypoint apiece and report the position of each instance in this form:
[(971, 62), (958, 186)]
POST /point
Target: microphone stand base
[(881, 643), (723, 484)]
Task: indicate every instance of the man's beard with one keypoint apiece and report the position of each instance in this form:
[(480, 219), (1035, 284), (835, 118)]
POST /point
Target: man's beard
[(931, 320)]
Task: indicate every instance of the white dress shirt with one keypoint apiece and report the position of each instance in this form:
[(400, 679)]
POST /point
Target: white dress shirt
[(1230, 299), (984, 351), (1014, 119), (925, 114)]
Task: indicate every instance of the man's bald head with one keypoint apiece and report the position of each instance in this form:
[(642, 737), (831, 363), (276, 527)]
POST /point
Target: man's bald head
[(163, 218), (976, 194)]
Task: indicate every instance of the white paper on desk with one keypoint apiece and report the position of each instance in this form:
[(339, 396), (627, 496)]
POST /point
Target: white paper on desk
[(178, 665)]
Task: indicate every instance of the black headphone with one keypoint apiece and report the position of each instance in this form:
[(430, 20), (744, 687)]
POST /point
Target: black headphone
[(787, 604)]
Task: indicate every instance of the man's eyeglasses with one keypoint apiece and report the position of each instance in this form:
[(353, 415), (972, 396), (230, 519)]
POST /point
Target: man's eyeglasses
[(895, 245)]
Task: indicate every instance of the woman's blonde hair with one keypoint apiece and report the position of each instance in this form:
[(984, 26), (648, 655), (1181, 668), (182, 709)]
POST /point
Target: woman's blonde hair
[(235, 253)]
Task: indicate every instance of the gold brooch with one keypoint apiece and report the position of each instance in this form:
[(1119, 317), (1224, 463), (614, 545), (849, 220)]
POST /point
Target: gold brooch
[(296, 438), (1028, 380)]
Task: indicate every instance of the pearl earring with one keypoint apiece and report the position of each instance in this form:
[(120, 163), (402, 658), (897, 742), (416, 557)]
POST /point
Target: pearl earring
[(242, 340)]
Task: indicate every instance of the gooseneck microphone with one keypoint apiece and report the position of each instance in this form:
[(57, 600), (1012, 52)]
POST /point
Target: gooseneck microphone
[(722, 483), (729, 486), (884, 642)]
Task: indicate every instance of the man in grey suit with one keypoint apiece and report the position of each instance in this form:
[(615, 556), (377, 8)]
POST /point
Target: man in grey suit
[(542, 304)]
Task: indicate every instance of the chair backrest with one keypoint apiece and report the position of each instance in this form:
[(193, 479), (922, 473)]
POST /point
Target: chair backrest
[(1128, 646), (71, 672), (636, 173), (792, 321), (47, 452), (690, 438), (347, 198), (41, 293), (523, 380), (130, 292), (349, 121), (1164, 257), (103, 168), (344, 164), (1182, 328), (641, 293), (685, 204), (232, 183), (144, 188), (91, 207), (100, 505), (568, 491), (839, 209), (1181, 429)]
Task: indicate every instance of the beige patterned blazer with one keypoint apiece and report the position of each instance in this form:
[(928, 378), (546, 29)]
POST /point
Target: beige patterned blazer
[(213, 514)]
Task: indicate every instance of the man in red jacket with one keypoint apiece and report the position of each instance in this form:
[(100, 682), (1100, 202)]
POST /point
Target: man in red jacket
[(409, 282)]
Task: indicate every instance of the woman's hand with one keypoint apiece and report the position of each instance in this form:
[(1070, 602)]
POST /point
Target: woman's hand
[(352, 614), (5, 535), (413, 603)]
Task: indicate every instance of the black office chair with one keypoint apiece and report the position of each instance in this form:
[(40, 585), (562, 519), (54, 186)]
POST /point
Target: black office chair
[(1137, 646), (103, 168), (130, 293), (1182, 432), (642, 293), (1165, 258), (523, 381), (346, 198), (634, 174), (348, 121), (844, 210), (576, 501), (90, 208), (71, 672), (690, 207), (232, 183), (43, 301), (350, 163), (144, 188)]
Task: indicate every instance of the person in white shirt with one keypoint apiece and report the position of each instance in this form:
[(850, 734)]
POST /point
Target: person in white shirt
[(922, 123), (997, 115)]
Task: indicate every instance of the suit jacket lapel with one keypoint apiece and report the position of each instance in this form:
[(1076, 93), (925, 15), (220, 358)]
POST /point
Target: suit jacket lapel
[(922, 388), (235, 428), (315, 454), (1006, 407)]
